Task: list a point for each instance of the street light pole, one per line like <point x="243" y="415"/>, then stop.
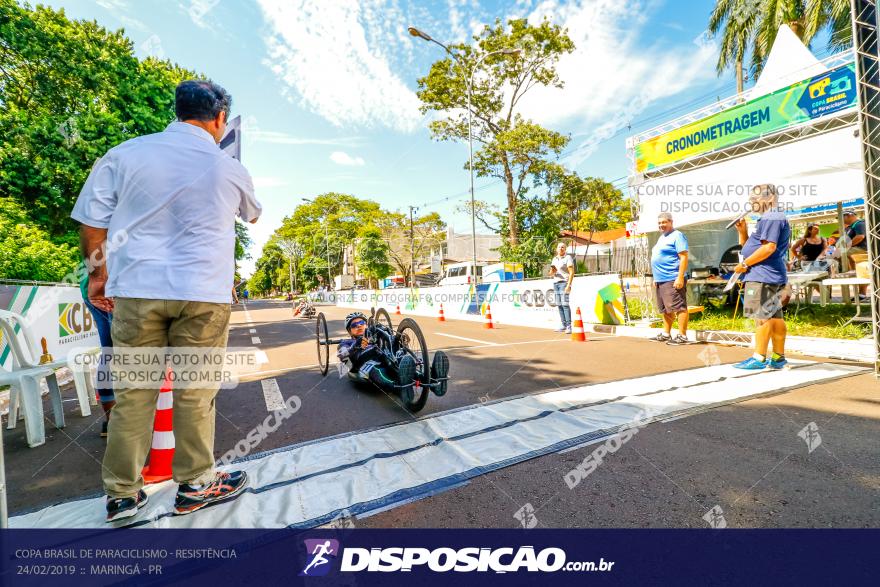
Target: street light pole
<point x="469" y="81"/>
<point x="471" y="169"/>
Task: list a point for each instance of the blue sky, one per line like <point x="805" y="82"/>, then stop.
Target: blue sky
<point x="326" y="88"/>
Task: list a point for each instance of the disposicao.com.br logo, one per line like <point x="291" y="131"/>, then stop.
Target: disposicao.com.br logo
<point x="442" y="560"/>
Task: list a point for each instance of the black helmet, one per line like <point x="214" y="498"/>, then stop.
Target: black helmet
<point x="352" y="317"/>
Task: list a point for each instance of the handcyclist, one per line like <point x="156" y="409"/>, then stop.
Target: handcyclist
<point x="367" y="362"/>
<point x="304" y="307"/>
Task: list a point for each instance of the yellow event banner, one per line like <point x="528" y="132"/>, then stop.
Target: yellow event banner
<point x="806" y="100"/>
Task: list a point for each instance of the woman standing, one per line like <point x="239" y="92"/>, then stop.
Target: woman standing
<point x="809" y="248"/>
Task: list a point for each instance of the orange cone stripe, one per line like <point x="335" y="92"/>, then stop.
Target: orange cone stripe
<point x="577" y="329"/>
<point x="162" y="446"/>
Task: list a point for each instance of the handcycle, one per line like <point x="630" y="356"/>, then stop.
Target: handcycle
<point x="393" y="344"/>
<point x="304" y="310"/>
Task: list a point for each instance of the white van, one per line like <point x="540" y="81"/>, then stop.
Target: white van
<point x="459" y="273"/>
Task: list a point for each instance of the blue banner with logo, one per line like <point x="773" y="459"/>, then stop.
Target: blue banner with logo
<point x="346" y="556"/>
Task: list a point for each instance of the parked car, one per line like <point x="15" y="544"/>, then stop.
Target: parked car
<point x="460" y="273"/>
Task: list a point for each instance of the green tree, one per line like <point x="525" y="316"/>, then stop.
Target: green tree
<point x="372" y="255"/>
<point x="326" y="224"/>
<point x="511" y="147"/>
<point x="751" y="26"/>
<point x="69" y="91"/>
<point x="26" y="251"/>
<point x="836" y="15"/>
<point x="737" y="20"/>
<point x="410" y="242"/>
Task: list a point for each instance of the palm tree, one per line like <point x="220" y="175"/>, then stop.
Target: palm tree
<point x="738" y="19"/>
<point x="751" y="26"/>
<point x="836" y="15"/>
<point x="774" y="14"/>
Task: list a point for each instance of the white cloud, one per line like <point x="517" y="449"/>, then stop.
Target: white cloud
<point x="339" y="60"/>
<point x="199" y="11"/>
<point x="343" y="158"/>
<point x="281" y="138"/>
<point x="263" y="181"/>
<point x="613" y="75"/>
<point x="119" y="9"/>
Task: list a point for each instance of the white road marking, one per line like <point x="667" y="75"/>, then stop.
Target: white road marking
<point x="482" y="342"/>
<point x="272" y="395"/>
<point x="253" y="330"/>
<point x="255" y="340"/>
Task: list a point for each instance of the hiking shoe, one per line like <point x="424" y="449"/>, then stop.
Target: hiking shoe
<point x="779" y="363"/>
<point x="119" y="508"/>
<point x="104" y="429"/>
<point x="678" y="339"/>
<point x="662" y="337"/>
<point x="439" y="371"/>
<point x="751" y="364"/>
<point x="224" y="486"/>
<point x="406" y="374"/>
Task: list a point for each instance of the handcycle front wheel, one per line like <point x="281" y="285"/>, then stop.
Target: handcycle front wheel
<point x="413" y="340"/>
<point x="323" y="343"/>
<point x="384" y="318"/>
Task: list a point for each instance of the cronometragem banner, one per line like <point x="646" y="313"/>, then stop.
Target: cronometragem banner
<point x="807" y="100"/>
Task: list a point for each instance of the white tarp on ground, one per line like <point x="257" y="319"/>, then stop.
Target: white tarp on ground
<point x="817" y="170"/>
<point x="521" y="303"/>
<point x="311" y="484"/>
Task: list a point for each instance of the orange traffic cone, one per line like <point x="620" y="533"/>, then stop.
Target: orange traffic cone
<point x="162" y="450"/>
<point x="397" y="311"/>
<point x="577" y="329"/>
<point x="488" y="321"/>
<point x="441" y="317"/>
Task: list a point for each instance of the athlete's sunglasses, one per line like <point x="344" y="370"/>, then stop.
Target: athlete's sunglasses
<point x="358" y="324"/>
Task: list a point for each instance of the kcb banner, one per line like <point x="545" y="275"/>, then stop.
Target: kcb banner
<point x="822" y="95"/>
<point x="74" y="322"/>
<point x="56" y="313"/>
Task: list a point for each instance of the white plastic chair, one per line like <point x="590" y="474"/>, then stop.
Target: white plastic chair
<point x="85" y="390"/>
<point x="25" y="391"/>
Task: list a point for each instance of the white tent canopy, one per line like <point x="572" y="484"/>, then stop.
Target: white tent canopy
<point x="788" y="63"/>
<point x="817" y="170"/>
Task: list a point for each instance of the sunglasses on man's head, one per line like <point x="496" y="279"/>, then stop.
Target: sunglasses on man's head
<point x="358" y="324"/>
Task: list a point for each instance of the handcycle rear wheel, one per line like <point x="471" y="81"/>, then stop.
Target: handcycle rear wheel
<point x="411" y="338"/>
<point x="323" y="343"/>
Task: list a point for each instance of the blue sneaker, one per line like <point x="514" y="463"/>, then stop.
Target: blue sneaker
<point x="780" y="364"/>
<point x="751" y="364"/>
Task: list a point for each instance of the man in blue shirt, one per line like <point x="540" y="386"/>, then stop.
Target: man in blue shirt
<point x="765" y="278"/>
<point x="669" y="261"/>
<point x="857" y="245"/>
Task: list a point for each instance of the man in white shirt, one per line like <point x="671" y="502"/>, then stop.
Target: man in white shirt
<point x="171" y="199"/>
<point x="562" y="272"/>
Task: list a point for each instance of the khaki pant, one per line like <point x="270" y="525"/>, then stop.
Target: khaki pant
<point x="163" y="323"/>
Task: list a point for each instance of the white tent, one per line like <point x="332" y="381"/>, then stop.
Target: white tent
<point x="789" y="62"/>
<point x="821" y="168"/>
<point x="824" y="168"/>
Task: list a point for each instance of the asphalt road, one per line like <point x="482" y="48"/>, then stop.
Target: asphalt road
<point x="745" y="458"/>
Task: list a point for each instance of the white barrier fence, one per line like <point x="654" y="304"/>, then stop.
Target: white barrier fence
<point x="521" y="303"/>
<point x="56" y="313"/>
